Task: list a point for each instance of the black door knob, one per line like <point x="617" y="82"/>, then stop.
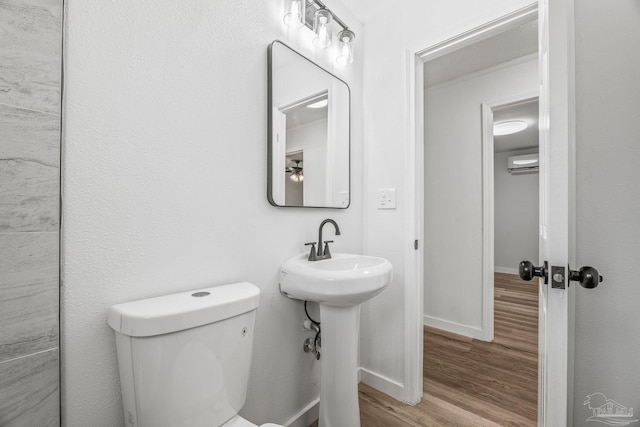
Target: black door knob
<point x="527" y="271"/>
<point x="587" y="276"/>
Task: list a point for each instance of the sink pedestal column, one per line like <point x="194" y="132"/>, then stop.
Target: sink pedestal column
<point x="339" y="366"/>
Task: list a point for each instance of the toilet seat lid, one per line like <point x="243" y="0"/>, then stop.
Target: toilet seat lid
<point x="238" y="421"/>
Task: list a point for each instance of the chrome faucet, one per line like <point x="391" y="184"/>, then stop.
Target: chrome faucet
<point x="322" y="253"/>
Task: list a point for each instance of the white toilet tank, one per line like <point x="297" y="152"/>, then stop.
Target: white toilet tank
<point x="184" y="358"/>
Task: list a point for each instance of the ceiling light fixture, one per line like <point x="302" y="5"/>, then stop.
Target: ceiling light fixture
<point x="320" y="104"/>
<point x="296" y="172"/>
<point x="510" y="127"/>
<point x="317" y="17"/>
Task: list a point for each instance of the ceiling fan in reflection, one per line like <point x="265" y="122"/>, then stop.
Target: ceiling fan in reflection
<point x="296" y="172"/>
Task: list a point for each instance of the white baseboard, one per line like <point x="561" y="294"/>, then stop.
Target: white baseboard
<point x="456" y="328"/>
<point x="382" y="383"/>
<point x="306" y="416"/>
<point x="505" y="270"/>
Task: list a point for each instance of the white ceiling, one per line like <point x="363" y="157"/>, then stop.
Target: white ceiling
<point x="528" y="138"/>
<point x="502" y="47"/>
<point x="365" y="10"/>
<point x="303" y="115"/>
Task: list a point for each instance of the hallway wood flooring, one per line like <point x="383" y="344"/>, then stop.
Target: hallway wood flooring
<point x="468" y="382"/>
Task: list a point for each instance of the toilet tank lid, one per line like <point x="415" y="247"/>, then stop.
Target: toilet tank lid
<point x="185" y="310"/>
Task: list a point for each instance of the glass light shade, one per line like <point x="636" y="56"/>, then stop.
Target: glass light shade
<point x="508" y="128"/>
<point x="294" y="18"/>
<point x="322" y="27"/>
<point x="297" y="177"/>
<point x="345" y="48"/>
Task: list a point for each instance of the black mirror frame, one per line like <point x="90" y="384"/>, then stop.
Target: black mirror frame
<point x="270" y="127"/>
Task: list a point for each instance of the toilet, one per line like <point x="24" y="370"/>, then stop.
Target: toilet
<point x="184" y="359"/>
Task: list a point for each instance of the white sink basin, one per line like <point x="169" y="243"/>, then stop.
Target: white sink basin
<point x="343" y="280"/>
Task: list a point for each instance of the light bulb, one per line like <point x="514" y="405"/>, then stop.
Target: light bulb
<point x="297" y="177"/>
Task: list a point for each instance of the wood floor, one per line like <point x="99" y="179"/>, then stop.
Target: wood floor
<point x="469" y="382"/>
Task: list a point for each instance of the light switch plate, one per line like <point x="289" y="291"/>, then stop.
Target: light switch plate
<point x="386" y="198"/>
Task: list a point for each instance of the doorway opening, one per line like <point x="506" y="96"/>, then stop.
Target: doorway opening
<point x="480" y="320"/>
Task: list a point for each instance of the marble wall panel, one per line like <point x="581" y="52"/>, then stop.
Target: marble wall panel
<point x="29" y="196"/>
<point x="29" y="293"/>
<point x="29" y="170"/>
<point x="30" y="89"/>
<point x="29" y="391"/>
<point x="30" y="69"/>
<point x="29" y="135"/>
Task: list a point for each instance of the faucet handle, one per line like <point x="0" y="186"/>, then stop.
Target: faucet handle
<point x="312" y="253"/>
<point x="326" y="252"/>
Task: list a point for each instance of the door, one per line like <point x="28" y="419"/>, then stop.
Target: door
<point x="556" y="196"/>
<point x="279" y="155"/>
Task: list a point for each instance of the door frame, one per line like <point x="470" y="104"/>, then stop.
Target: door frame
<point x="414" y="185"/>
<point x="488" y="206"/>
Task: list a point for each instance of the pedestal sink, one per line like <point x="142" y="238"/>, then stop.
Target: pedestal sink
<point x="340" y="284"/>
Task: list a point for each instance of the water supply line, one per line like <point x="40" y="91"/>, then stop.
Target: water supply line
<point x="311" y="325"/>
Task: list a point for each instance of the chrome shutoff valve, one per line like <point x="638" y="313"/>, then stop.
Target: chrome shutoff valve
<point x="309" y="347"/>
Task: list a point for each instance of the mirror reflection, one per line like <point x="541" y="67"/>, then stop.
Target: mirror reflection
<point x="308" y="162"/>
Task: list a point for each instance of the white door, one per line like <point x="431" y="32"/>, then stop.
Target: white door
<point x="279" y="158"/>
<point x="556" y="196"/>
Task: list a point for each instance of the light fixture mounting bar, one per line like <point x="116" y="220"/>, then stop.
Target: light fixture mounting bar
<point x="317" y="5"/>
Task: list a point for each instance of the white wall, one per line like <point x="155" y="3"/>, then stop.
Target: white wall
<point x="453" y="192"/>
<point x="164" y="102"/>
<point x="607" y="343"/>
<point x="516" y="211"/>
<point x="409" y="25"/>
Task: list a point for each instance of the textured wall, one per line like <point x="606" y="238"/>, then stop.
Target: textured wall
<point x="30" y="80"/>
<point x="165" y="102"/>
<point x="607" y="343"/>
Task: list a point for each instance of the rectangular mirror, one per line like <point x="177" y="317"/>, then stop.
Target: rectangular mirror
<point x="308" y="133"/>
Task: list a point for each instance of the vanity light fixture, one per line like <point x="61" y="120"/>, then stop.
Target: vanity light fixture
<point x="510" y="127"/>
<point x="317" y="17"/>
<point x="295" y="16"/>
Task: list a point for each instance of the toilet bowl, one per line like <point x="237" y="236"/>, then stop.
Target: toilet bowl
<point x="184" y="358"/>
